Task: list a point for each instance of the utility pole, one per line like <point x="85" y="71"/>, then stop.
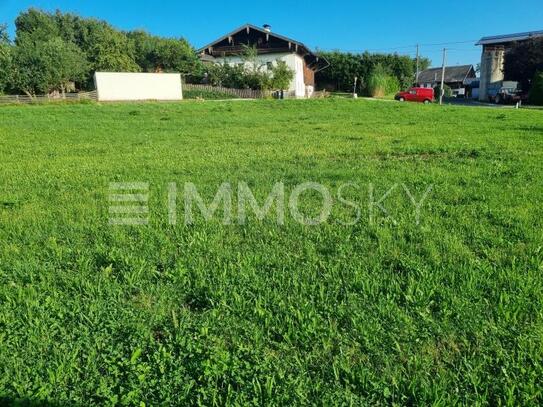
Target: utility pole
<point x="354" y="89"/>
<point x="442" y="90"/>
<point x="417" y="75"/>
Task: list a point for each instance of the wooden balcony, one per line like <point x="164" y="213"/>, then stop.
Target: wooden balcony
<point x="240" y="49"/>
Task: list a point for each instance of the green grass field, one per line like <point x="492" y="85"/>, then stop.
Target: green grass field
<point x="385" y="311"/>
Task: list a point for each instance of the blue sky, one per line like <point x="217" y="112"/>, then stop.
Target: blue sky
<point x="353" y="25"/>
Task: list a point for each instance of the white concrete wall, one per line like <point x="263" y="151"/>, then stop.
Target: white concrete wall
<point x="120" y="86"/>
<point x="299" y="76"/>
<point x="492" y="61"/>
<point x="293" y="61"/>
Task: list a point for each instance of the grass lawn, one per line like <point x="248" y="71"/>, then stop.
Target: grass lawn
<point x="382" y="311"/>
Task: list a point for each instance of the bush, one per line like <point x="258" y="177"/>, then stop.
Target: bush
<point x="536" y="92"/>
<point x="380" y="83"/>
<point x="448" y="91"/>
<point x="250" y="75"/>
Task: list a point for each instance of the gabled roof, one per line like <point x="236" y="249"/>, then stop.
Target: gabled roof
<point x="452" y="74"/>
<point x="316" y="62"/>
<point x="500" y="39"/>
<point x="253" y="27"/>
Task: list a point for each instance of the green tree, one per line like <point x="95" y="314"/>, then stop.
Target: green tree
<point x="156" y="54"/>
<point x="36" y="24"/>
<point x="106" y="48"/>
<point x="5" y="60"/>
<point x="536" y="92"/>
<point x="344" y="67"/>
<point x="45" y="66"/>
<point x="110" y="50"/>
<point x="282" y="75"/>
<point x="251" y="75"/>
<point x="523" y="61"/>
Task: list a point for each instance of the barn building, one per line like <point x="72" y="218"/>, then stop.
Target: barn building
<point x="456" y="77"/>
<point x="270" y="48"/>
<point x="493" y="58"/>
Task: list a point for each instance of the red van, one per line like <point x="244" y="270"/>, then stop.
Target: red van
<point x="422" y="95"/>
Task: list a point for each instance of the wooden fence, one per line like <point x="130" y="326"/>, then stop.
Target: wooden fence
<point x="25" y="99"/>
<point x="237" y="93"/>
<point x="246" y="93"/>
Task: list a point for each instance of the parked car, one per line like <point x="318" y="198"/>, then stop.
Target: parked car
<point x="508" y="96"/>
<point x="506" y="92"/>
<point x="421" y="95"/>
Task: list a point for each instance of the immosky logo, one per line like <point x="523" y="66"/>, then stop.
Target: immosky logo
<point x="278" y="205"/>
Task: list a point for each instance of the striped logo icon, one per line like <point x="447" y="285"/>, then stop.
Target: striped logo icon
<point x="129" y="203"/>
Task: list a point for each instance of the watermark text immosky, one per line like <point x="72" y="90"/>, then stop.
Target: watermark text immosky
<point x="236" y="204"/>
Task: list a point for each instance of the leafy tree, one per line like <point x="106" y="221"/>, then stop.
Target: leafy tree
<point x="344" y="67"/>
<point x="102" y="46"/>
<point x="45" y="66"/>
<point x="36" y="24"/>
<point x="536" y="92"/>
<point x="4" y="37"/>
<point x="281" y="76"/>
<point x="156" y="54"/>
<point x="110" y="50"/>
<point x="523" y="61"/>
<point x="250" y="75"/>
<point x="5" y="60"/>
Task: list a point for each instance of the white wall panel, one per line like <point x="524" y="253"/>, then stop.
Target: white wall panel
<point x="120" y="86"/>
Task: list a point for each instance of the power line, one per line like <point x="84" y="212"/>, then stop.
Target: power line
<point x="449" y="43"/>
<point x="400" y="47"/>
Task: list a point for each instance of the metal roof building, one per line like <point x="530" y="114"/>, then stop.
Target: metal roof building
<point x="493" y="57"/>
<point x="453" y="75"/>
<point x="504" y="39"/>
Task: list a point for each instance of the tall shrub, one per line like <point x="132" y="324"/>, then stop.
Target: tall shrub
<point x="381" y="83"/>
<point x="447" y="91"/>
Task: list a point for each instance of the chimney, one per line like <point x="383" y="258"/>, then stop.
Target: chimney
<point x="267" y="28"/>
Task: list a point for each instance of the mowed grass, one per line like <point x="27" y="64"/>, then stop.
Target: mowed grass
<point x="383" y="311"/>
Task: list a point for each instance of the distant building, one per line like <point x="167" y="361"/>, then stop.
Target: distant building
<point x="456" y="77"/>
<point x="493" y="58"/>
<point x="270" y="48"/>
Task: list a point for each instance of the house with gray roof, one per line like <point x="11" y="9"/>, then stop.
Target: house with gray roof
<point x="456" y="77"/>
<point x="270" y="48"/>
